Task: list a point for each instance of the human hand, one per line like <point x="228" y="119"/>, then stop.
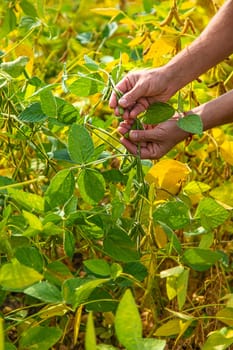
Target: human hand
<point x="140" y="89"/>
<point x="155" y="141"/>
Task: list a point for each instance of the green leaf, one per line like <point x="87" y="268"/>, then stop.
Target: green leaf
<point x="80" y="144"/>
<point x="15" y="276"/>
<point x="48" y="103"/>
<point x="87" y="85"/>
<point x="9" y="22"/>
<point x="174" y="213"/>
<point x="40" y="338"/>
<point x="16" y="67"/>
<point x="128" y="324"/>
<point x="191" y="123"/>
<point x="44" y="291"/>
<point x="152" y="344"/>
<point x="33" y="114"/>
<point x="90" y="340"/>
<point x="106" y="347"/>
<point x="119" y="246"/>
<point x="31" y="257"/>
<point x="157" y="113"/>
<point x="1" y="334"/>
<point x="69" y="243"/>
<point x="211" y="213"/>
<point x="219" y="340"/>
<point x="82" y="292"/>
<point x="201" y="259"/>
<point x="148" y="5"/>
<point x="60" y="189"/>
<point x="9" y="346"/>
<point x="91" y="185"/>
<point x="28" y="8"/>
<point x="27" y="200"/>
<point x="182" y="286"/>
<point x="226" y="316"/>
<point x="98" y="267"/>
<point x="223" y="193"/>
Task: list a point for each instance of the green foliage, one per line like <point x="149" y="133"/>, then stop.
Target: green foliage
<point x="93" y="250"/>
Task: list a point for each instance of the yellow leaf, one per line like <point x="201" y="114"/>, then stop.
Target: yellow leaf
<point x="226" y="149"/>
<point x="109" y="12"/>
<point x="160" y="237"/>
<point x="77" y="322"/>
<point x="226" y="316"/>
<point x="218" y="135"/>
<point x="168" y="176"/>
<point x="172" y="327"/>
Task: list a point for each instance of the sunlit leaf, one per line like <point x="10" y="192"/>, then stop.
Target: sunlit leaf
<point x="128" y="323"/>
<point x="40" y="337"/>
<point x="223" y="193"/>
<point x="16" y="67"/>
<point x="175" y="214"/>
<point x="83" y="291"/>
<point x="211" y="213"/>
<point x="219" y="340"/>
<point x="90" y="340"/>
<point x="30" y="201"/>
<point x="226" y="316"/>
<point x="14" y="276"/>
<point x="157" y="113"/>
<point x="226" y="149"/>
<point x="168" y="175"/>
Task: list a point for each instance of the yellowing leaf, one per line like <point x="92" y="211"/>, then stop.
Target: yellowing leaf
<point x="226" y="149"/>
<point x="226" y="316"/>
<point x="18" y="276"/>
<point x="172" y="327"/>
<point x="218" y="135"/>
<point x="168" y="176"/>
<point x="109" y="12"/>
<point x="160" y="237"/>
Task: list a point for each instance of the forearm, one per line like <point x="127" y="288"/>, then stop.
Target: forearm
<point x="213" y="45"/>
<point x="216" y="112"/>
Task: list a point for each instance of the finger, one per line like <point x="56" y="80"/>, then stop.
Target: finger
<point x="146" y="150"/>
<point x="142" y="135"/>
<point x="113" y="101"/>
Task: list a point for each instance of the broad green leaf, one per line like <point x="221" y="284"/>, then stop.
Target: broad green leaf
<point x="33" y="220"/>
<point x="128" y="324"/>
<point x="69" y="243"/>
<point x="91" y="185"/>
<point x="14" y="276"/>
<point x="171" y="287"/>
<point x="148" y="5"/>
<point x="152" y="344"/>
<point x="33" y="114"/>
<point x="157" y="113"/>
<point x="39" y="338"/>
<point x="191" y="123"/>
<point x="101" y="301"/>
<point x="80" y="144"/>
<point x="174" y="213"/>
<point x="56" y="273"/>
<point x="90" y="339"/>
<point x="82" y="292"/>
<point x="219" y="340"/>
<point x="30" y="201"/>
<point x="201" y="259"/>
<point x="119" y="246"/>
<point x="31" y="257"/>
<point x="66" y="112"/>
<point x="16" y="67"/>
<point x="9" y="22"/>
<point x="173" y="239"/>
<point x="98" y="267"/>
<point x="90" y="63"/>
<point x="60" y="189"/>
<point x="211" y="213"/>
<point x="87" y="85"/>
<point x="135" y="269"/>
<point x="48" y="103"/>
<point x="28" y="8"/>
<point x="68" y="289"/>
<point x="44" y="291"/>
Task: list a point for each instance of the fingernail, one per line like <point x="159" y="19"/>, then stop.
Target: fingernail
<point x="122" y="101"/>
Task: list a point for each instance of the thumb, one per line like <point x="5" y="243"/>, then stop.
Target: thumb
<point x="130" y="98"/>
